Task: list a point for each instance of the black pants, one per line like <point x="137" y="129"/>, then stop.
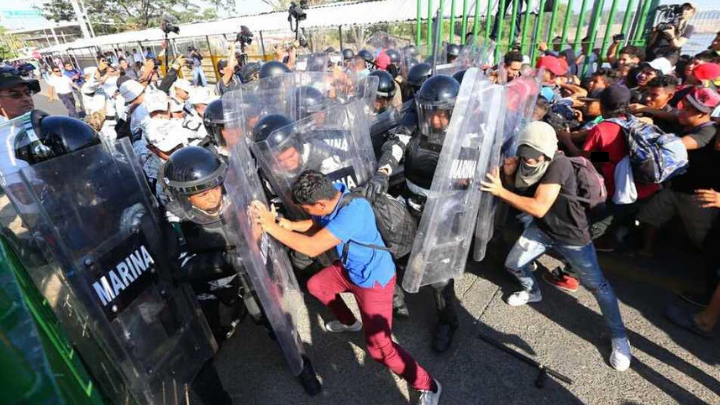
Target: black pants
<point x="208" y="386"/>
<point x="711" y="258"/>
<point x="69" y="102"/>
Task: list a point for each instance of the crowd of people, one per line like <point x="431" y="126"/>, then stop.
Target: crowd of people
<point x="575" y="178"/>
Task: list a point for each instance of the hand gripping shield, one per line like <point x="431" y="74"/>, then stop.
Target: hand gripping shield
<point x="335" y="142"/>
<point x="106" y="274"/>
<point x="265" y="262"/>
<point x="442" y="243"/>
<point x="520" y="98"/>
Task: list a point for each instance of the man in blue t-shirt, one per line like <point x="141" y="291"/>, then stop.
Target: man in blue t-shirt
<point x="368" y="273"/>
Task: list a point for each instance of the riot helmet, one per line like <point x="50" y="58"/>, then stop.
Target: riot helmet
<point x="194" y="177"/>
<point x="273" y="68"/>
<point x="368" y="57"/>
<point x="385" y="90"/>
<point x="418" y="74"/>
<point x="277" y="133"/>
<point x="250" y="72"/>
<point x="306" y="100"/>
<point x="459" y="75"/>
<point x="394" y="56"/>
<point x="348" y="54"/>
<point x="453" y="51"/>
<point x="435" y="102"/>
<point x="411" y="51"/>
<point x="330" y="49"/>
<point x="45" y="137"/>
<point x="214" y="121"/>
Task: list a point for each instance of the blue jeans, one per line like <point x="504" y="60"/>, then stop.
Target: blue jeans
<point x="199" y="77"/>
<point x="534" y="242"/>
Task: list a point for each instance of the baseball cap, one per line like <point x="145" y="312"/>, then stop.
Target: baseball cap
<point x="707" y="71"/>
<point x="552" y="64"/>
<point x="176" y="106"/>
<point x="156" y="101"/>
<point x="547" y="93"/>
<point x="90" y="70"/>
<point x="183" y="84"/>
<point x="165" y="135"/>
<point x="10" y="77"/>
<point x="130" y="90"/>
<point x="615" y="97"/>
<point x="704" y="99"/>
<point x="201" y="95"/>
<point x="660" y="64"/>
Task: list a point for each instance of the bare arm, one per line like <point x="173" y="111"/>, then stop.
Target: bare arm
<point x="612" y="51"/>
<point x="537" y="206"/>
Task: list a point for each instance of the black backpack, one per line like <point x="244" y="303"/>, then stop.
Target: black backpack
<point x="394" y="222"/>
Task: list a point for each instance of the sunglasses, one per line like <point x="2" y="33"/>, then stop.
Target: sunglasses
<point x="56" y="71"/>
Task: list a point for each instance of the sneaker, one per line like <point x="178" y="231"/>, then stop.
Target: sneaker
<point x="429" y="397"/>
<point x="558" y="279"/>
<point x="338" y="327"/>
<point x="620" y="356"/>
<point x="523" y="297"/>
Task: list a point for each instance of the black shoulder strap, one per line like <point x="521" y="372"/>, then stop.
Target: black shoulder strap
<point x="344" y="201"/>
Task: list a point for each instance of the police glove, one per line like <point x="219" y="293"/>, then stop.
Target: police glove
<point x="378" y="184"/>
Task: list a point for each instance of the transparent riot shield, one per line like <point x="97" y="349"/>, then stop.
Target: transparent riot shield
<point x="443" y="239"/>
<point x="520" y="98"/>
<point x="385" y="123"/>
<point x="313" y="62"/>
<point x="382" y="41"/>
<point x="333" y="141"/>
<point x="106" y="274"/>
<point x="261" y="257"/>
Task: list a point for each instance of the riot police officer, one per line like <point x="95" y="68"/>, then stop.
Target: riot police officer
<point x="385" y="91"/>
<point x="421" y="149"/>
<point x="348" y="55"/>
<point x="453" y="51"/>
<point x="153" y="349"/>
<point x="195" y="177"/>
<point x="368" y="57"/>
<point x="415" y="79"/>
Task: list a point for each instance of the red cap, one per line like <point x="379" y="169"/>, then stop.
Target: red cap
<point x="704" y="99"/>
<point x="382" y="61"/>
<point x="707" y="71"/>
<point x="552" y="64"/>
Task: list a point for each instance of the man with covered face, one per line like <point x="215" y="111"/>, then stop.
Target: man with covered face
<point x="545" y="187"/>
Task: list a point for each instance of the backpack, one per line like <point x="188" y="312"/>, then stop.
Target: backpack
<point x="396" y="225"/>
<point x="591" y="189"/>
<point x="654" y="155"/>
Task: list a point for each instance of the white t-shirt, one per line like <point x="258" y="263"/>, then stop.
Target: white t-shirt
<point x="62" y="84"/>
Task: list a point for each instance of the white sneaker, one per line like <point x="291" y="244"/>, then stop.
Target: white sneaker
<point x="429" y="397"/>
<point x="338" y="327"/>
<point x="523" y="297"/>
<point x="620" y="356"/>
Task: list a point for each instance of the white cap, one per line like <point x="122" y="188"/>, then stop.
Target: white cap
<point x="90" y="70"/>
<point x="202" y="95"/>
<point x="165" y="135"/>
<point x="662" y="64"/>
<point x="176" y="106"/>
<point x="183" y="84"/>
<point x="156" y="100"/>
<point x="130" y="90"/>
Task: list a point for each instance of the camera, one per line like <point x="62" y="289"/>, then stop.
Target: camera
<point x="169" y="24"/>
<point x="245" y="36"/>
<point x="618" y="37"/>
<point x="297" y="12"/>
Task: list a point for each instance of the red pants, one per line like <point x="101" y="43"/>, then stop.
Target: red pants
<point x="376" y="311"/>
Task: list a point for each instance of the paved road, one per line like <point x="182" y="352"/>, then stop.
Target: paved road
<point x="564" y="331"/>
<point x="42" y="102"/>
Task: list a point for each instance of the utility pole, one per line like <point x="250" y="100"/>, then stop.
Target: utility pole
<point x="82" y="19"/>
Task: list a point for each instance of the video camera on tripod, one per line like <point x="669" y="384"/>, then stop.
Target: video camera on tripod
<point x="244" y="37"/>
<point x="168" y="24"/>
<point x="297" y="13"/>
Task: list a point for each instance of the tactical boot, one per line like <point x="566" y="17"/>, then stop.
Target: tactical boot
<point x="445" y="303"/>
<point x="308" y="379"/>
<point x="399" y="307"/>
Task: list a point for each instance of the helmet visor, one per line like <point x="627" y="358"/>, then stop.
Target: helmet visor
<point x="434" y="119"/>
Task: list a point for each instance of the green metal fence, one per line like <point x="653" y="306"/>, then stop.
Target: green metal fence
<point x="593" y="27"/>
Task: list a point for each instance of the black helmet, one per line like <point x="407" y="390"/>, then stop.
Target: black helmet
<point x="367" y="56"/>
<point x="386" y="84"/>
<point x="268" y="125"/>
<point x="348" y="54"/>
<point x="330" y="49"/>
<point x="316" y="63"/>
<point x="459" y="75"/>
<point x="214" y="121"/>
<point x="306" y="100"/>
<point x="418" y="74"/>
<point x="193" y="170"/>
<point x="411" y="51"/>
<point x="437" y="95"/>
<point x="453" y="51"/>
<point x="47" y="137"/>
<point x="250" y="72"/>
<point x="394" y="56"/>
<point x="272" y="69"/>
